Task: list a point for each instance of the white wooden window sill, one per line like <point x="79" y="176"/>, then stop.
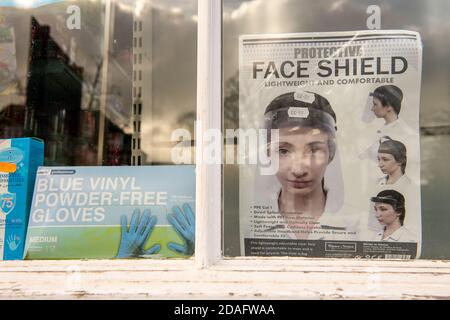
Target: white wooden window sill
<point x="242" y="278"/>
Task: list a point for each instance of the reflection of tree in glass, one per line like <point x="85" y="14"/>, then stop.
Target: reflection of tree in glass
<point x="230" y="108"/>
<point x="186" y="121"/>
<point x="231" y="103"/>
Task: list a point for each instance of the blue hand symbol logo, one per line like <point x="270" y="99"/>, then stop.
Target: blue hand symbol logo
<point x="13" y="242"/>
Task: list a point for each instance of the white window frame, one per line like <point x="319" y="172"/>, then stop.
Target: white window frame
<point x="209" y="274"/>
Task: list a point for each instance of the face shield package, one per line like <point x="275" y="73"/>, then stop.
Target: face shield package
<point x="341" y="115"/>
<point x="112" y="212"/>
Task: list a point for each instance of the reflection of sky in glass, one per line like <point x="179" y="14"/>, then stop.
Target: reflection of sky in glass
<point x="27" y="3"/>
<point x="173" y="58"/>
<point x="183" y="7"/>
<point x="84" y="47"/>
<point x="173" y="38"/>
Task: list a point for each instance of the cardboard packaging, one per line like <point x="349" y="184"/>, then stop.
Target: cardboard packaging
<point x="99" y="213"/>
<point x="19" y="161"/>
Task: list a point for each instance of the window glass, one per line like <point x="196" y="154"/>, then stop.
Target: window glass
<point x="102" y="83"/>
<point x="53" y="75"/>
<point x="429" y="19"/>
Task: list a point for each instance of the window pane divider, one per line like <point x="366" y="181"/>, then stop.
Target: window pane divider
<point x="209" y="117"/>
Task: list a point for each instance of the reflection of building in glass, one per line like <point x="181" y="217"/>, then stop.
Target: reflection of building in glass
<point x="11" y="121"/>
<point x="53" y="97"/>
<point x="54" y="112"/>
<point x="117" y="145"/>
<point x="164" y="79"/>
<point x="137" y="156"/>
<point x="141" y="79"/>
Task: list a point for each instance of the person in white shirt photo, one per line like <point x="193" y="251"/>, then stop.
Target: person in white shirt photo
<point x="386" y="105"/>
<point x="306" y="207"/>
<point x="392" y="159"/>
<point x="390" y="212"/>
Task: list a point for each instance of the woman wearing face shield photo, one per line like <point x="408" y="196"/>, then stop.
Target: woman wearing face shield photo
<point x="392" y="159"/>
<point x="390" y="211"/>
<point x="302" y="198"/>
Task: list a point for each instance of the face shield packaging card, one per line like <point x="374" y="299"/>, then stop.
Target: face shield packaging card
<point x="334" y="123"/>
<point x="112" y="212"/>
<point x="19" y="161"/>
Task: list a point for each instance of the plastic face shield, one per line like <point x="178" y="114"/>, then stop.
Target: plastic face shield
<point x="389" y="200"/>
<point x="367" y="114"/>
<point x="301" y="117"/>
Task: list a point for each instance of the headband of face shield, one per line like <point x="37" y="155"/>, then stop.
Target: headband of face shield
<point x="392" y="197"/>
<point x="394" y="148"/>
<point x="303" y="117"/>
<point x="395" y="199"/>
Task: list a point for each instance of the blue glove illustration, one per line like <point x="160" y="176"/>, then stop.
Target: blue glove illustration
<point x="184" y="223"/>
<point x="13" y="242"/>
<point x="133" y="240"/>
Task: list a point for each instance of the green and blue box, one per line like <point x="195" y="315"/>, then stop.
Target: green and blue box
<point x="83" y="212"/>
<point x="19" y="161"/>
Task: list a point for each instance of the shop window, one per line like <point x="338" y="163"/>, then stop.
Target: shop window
<point x="104" y="106"/>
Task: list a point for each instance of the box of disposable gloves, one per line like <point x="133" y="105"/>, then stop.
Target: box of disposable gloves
<point x="112" y="212"/>
<point x="19" y="161"/>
